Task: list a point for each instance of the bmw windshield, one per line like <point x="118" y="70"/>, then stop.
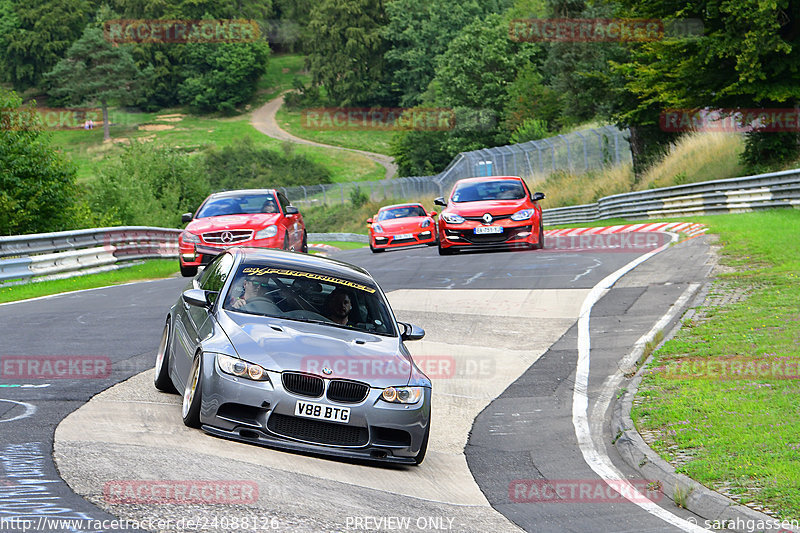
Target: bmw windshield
<point x="309" y="297"/>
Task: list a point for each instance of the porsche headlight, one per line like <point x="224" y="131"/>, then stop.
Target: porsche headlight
<point x="377" y="228"/>
<point x="525" y="214"/>
<point x="266" y="233"/>
<point x="426" y="223"/>
<point x="401" y="394"/>
<point x="452" y="219"/>
<point x="241" y="369"/>
<point x="190" y="238"/>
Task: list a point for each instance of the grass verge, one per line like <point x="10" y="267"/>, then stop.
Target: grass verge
<point x="153" y="269"/>
<point x="343" y="245"/>
<point x="370" y="140"/>
<point x="737" y="434"/>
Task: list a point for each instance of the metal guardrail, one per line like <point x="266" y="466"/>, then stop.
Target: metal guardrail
<point x="735" y="195"/>
<point x="577" y="151"/>
<point x="23" y="257"/>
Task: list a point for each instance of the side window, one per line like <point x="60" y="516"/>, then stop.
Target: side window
<point x="283" y="201"/>
<point x="525" y="186"/>
<point x="216" y="273"/>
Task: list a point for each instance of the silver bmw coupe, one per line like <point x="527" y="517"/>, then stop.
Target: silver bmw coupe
<point x="298" y="352"/>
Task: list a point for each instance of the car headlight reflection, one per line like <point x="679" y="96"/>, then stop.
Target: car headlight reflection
<point x="241" y="369"/>
<point x="452" y="219"/>
<point x="525" y="214"/>
<point x="190" y="238"/>
<point x="266" y="233"/>
<point x="402" y="394"/>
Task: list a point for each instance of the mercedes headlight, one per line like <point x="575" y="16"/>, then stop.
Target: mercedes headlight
<point x="266" y="233"/>
<point x="190" y="238"/>
<point x="401" y="394"/>
<point x="452" y="219"/>
<point x="525" y="214"/>
<point x="241" y="369"/>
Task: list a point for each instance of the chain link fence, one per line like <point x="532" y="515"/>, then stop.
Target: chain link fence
<point x="578" y="151"/>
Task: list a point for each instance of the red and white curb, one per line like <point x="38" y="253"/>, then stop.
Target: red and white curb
<point x="687" y="228"/>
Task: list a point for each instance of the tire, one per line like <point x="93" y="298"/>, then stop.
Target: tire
<point x="161" y="380"/>
<point x="192" y="395"/>
<point x="424" y="448"/>
<point x="304" y="248"/>
<point x="539" y="245"/>
<point x="445" y="251"/>
<point x="188" y="271"/>
<point x="376" y="250"/>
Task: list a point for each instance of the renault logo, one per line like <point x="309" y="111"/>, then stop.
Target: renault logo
<point x="327" y="371"/>
<point x="226" y="237"/>
<point x="487" y="218"/>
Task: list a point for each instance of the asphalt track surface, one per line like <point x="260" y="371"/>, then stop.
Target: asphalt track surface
<point x="522" y="431"/>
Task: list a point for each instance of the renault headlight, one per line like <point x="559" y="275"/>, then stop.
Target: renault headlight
<point x="452" y="219"/>
<point x="401" y="394"/>
<point x="525" y="214"/>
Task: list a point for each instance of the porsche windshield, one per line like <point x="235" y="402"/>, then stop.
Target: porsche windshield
<point x="401" y="212"/>
<point x="309" y="297"/>
<point x="476" y="191"/>
<point x="244" y="204"/>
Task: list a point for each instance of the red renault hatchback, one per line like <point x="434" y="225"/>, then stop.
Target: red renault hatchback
<point x="490" y="212"/>
<point x="261" y="218"/>
<point x="401" y="225"/>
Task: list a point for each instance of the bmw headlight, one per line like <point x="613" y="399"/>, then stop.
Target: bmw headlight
<point x="377" y="228"/>
<point x="426" y="223"/>
<point x="452" y="219"/>
<point x="241" y="369"/>
<point x="190" y="238"/>
<point x="525" y="214"/>
<point x="266" y="233"/>
<point x="401" y="394"/>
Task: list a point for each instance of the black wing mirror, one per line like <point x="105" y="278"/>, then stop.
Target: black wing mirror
<point x="291" y="210"/>
<point x="440" y="201"/>
<point x="537" y="196"/>
<point x="186" y="217"/>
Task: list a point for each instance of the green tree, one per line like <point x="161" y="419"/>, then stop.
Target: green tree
<point x="94" y="70"/>
<point x="37" y="183"/>
<point x="149" y="185"/>
<point x="36" y="34"/>
<point x="748" y="56"/>
<point x="418" y="31"/>
<point x="221" y="76"/>
<point x="346" y="51"/>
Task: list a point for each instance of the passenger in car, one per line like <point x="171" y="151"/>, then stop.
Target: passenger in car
<point x="338" y="306"/>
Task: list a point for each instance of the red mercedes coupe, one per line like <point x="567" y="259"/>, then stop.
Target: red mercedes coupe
<point x="497" y="211"/>
<point x="396" y="226"/>
<point x="262" y="218"/>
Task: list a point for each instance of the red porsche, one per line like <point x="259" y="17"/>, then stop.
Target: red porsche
<point x="401" y="225"/>
<point x="490" y="212"/>
<point x="262" y="218"/>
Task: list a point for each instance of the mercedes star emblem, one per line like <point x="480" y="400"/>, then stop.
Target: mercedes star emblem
<point x="226" y="237"/>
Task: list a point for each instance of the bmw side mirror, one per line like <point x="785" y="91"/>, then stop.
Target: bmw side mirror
<point x="186" y="217"/>
<point x="199" y="297"/>
<point x="440" y="201"/>
<point x="291" y="210"/>
<point x="411" y="332"/>
<point x="537" y="196"/>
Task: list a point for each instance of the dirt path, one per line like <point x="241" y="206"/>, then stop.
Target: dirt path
<point x="264" y="121"/>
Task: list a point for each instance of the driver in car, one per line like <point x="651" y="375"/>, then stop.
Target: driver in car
<point x="252" y="290"/>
